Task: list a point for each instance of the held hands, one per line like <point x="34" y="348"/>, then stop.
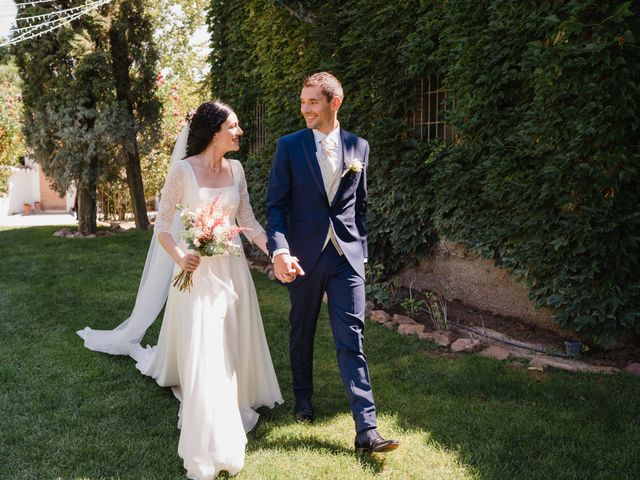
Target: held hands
<point x="189" y="262"/>
<point x="286" y="267"/>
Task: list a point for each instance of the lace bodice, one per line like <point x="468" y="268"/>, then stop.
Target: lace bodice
<point x="181" y="188"/>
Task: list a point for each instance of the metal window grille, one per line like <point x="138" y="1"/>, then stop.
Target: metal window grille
<point x="429" y="111"/>
<point x="259" y="129"/>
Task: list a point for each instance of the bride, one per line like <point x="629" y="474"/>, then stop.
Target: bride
<point x="212" y="348"/>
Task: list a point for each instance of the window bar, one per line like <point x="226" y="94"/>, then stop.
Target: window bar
<point x="422" y="108"/>
<point x="428" y="116"/>
<point x="437" y="85"/>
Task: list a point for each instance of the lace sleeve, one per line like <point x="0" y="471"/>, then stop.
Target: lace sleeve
<point x="170" y="197"/>
<point x="245" y="216"/>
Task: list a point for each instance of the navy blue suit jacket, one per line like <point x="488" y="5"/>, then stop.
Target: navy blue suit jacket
<point x="298" y="211"/>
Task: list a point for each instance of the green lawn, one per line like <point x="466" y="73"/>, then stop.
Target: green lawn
<point x="67" y="412"/>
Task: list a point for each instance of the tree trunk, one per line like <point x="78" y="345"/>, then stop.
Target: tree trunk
<point x="120" y="63"/>
<point x="87" y="211"/>
<point x="136" y="189"/>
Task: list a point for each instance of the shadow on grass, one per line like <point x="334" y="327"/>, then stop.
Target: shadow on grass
<point x="501" y="421"/>
<point x="498" y="418"/>
<point x="318" y="445"/>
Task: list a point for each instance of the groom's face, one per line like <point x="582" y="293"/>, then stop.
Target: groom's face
<point x="317" y="110"/>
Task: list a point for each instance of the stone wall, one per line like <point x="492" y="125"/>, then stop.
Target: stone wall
<point x="459" y="274"/>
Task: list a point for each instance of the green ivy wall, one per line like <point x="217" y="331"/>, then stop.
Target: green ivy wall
<point x="544" y="95"/>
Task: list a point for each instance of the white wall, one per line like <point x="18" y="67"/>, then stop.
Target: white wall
<point x="4" y="206"/>
<point x="24" y="187"/>
<point x="70" y="197"/>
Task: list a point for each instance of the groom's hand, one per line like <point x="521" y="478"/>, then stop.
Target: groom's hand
<point x="286" y="267"/>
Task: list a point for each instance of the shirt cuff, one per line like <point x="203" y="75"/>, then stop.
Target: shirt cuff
<point x="278" y="252"/>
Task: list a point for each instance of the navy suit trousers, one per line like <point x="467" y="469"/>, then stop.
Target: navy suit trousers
<point x="346" y="300"/>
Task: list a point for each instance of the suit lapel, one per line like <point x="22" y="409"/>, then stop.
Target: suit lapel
<point x="348" y="147"/>
<point x="308" y="143"/>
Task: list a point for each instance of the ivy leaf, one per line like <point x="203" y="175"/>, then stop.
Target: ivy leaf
<point x="559" y="242"/>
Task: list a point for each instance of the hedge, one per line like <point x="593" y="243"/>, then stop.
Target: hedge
<point x="544" y="175"/>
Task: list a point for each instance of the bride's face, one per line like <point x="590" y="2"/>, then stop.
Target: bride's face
<point x="228" y="138"/>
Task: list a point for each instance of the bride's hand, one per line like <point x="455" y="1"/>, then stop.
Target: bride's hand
<point x="189" y="262"/>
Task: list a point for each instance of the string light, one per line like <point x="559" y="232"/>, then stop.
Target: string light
<point x="34" y="2"/>
<point x="26" y="4"/>
<point x="58" y="22"/>
<point x="34" y="31"/>
<point x="58" y="12"/>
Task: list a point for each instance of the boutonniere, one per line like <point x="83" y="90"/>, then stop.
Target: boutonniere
<point x="355" y="166"/>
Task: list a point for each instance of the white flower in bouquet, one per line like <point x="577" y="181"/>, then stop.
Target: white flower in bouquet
<point x="208" y="232"/>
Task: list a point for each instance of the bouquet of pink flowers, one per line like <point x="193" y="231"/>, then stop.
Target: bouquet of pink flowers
<point x="208" y="232"/>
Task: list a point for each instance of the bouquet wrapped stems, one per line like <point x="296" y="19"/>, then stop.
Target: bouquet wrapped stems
<point x="183" y="281"/>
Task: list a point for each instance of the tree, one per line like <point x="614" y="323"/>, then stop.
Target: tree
<point x="60" y="99"/>
<point x="181" y="85"/>
<point x="12" y="145"/>
<point x="134" y="61"/>
<point x="90" y="101"/>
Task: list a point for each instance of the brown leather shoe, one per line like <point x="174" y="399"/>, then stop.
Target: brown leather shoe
<point x="303" y="410"/>
<point x="304" y="417"/>
<point x="372" y="441"/>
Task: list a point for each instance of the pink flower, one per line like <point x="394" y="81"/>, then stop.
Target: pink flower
<point x="208" y="232"/>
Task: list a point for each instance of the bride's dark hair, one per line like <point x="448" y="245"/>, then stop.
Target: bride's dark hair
<point x="206" y="122"/>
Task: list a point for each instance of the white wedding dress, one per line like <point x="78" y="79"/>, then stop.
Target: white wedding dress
<point x="212" y="348"/>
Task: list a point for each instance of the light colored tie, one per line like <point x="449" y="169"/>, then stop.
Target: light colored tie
<point x="331" y="178"/>
<point x="329" y="167"/>
<point x="330" y="154"/>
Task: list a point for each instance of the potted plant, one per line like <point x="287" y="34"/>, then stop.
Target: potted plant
<point x="573" y="347"/>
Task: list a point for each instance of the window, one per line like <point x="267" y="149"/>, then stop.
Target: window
<point x="427" y="116"/>
<point x="259" y="136"/>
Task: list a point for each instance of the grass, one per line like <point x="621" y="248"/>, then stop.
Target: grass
<point x="67" y="412"/>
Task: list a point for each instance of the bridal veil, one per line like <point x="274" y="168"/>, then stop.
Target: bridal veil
<point x="152" y="293"/>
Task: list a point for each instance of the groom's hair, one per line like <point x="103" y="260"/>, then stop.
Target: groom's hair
<point x="330" y="85"/>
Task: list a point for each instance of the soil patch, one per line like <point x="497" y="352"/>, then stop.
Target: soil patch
<point x="521" y="331"/>
<point x="514" y="328"/>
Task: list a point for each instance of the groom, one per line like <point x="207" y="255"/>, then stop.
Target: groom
<point x="316" y="208"/>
